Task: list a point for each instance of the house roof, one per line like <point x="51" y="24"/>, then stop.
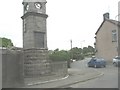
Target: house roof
<point x="109" y="20"/>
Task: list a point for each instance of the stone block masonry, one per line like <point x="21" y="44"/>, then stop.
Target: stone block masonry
<point x="12" y="68"/>
<point x="36" y="63"/>
<point x="38" y="67"/>
<point x="24" y="67"/>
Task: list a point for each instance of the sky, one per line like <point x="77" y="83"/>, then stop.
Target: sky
<point x="75" y="20"/>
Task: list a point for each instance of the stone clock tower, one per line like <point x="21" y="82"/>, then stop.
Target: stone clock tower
<point x="34" y="17"/>
<point x="34" y="24"/>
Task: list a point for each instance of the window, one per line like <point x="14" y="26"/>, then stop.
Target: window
<point x="114" y="36"/>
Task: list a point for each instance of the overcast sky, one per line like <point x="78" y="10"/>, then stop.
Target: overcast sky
<point x="75" y="20"/>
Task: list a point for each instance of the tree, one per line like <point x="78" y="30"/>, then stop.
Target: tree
<point x="85" y="50"/>
<point x="76" y="53"/>
<point x="91" y="49"/>
<point x="88" y="51"/>
<point x="5" y="42"/>
<point x="56" y="50"/>
<point x="59" y="55"/>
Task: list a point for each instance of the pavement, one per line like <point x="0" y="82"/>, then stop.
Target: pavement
<point x="74" y="76"/>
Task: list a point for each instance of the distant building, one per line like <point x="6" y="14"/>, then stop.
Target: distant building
<point x="106" y="39"/>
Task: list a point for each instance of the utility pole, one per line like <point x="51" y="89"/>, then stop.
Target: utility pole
<point x="71" y="44"/>
<point x="71" y="54"/>
<point x="71" y="50"/>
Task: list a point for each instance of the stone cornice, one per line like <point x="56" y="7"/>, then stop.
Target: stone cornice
<point x="36" y="49"/>
<point x="39" y="32"/>
<point x="34" y="14"/>
<point x="34" y="1"/>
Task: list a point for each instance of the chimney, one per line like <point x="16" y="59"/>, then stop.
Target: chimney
<point x="105" y="16"/>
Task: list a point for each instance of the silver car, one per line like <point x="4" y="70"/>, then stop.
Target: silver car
<point x="116" y="61"/>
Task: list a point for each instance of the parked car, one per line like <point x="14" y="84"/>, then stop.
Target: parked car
<point x="116" y="61"/>
<point x="97" y="62"/>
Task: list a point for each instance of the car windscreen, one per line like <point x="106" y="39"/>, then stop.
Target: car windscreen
<point x="99" y="60"/>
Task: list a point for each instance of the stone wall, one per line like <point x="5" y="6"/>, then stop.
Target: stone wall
<point x="24" y="67"/>
<point x="12" y="68"/>
<point x="58" y="70"/>
<point x="38" y="67"/>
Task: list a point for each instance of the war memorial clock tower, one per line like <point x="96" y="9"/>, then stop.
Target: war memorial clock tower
<point x="35" y="38"/>
<point x="34" y="24"/>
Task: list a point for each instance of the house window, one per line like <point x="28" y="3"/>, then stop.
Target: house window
<point x="114" y="36"/>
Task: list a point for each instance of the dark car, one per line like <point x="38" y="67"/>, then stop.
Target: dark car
<point x="116" y="61"/>
<point x="96" y="62"/>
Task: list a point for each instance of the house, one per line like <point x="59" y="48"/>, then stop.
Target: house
<point x="106" y="39"/>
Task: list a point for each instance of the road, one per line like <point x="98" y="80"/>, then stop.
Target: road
<point x="108" y="80"/>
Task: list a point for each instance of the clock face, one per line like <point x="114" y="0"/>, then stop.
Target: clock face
<point x="38" y="5"/>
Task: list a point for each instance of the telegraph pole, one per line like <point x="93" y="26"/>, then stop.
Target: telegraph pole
<point x="71" y="44"/>
<point x="71" y="54"/>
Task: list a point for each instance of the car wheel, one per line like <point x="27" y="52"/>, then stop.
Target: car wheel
<point x="104" y="66"/>
<point x="115" y="64"/>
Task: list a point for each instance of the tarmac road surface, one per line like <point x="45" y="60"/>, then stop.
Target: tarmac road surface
<point x="108" y="80"/>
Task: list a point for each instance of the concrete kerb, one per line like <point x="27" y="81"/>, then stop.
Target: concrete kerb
<point x="83" y="79"/>
<point x="98" y="74"/>
<point x="37" y="83"/>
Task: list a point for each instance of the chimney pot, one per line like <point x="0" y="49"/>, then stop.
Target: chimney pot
<point x="105" y="16"/>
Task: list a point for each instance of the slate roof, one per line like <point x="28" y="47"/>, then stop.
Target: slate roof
<point x="111" y="21"/>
